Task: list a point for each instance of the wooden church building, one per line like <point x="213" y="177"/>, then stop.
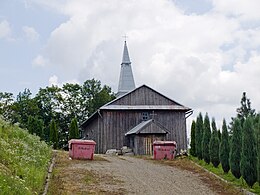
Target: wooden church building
<point x="137" y="117"/>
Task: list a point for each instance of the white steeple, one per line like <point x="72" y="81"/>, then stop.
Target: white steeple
<point x="126" y="79"/>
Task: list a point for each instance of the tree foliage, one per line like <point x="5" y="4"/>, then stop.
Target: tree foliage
<point x="74" y="130"/>
<point x="214" y="145"/>
<point x="6" y="102"/>
<point x="193" y="139"/>
<point x="249" y="154"/>
<point x="206" y="139"/>
<point x="244" y="111"/>
<point x="224" y="148"/>
<point x="235" y="149"/>
<point x="54" y="134"/>
<point x="35" y="126"/>
<point x="198" y="136"/>
<point x="61" y="104"/>
<point x="258" y="149"/>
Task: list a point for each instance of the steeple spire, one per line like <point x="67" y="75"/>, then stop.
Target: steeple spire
<point x="126" y="79"/>
<point x="126" y="59"/>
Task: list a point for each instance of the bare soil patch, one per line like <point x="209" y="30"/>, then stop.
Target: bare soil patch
<point x="131" y="175"/>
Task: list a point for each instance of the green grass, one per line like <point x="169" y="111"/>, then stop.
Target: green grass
<point x="24" y="161"/>
<point x="227" y="176"/>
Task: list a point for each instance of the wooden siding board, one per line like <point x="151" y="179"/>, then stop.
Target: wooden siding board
<point x="144" y="96"/>
<point x="111" y="128"/>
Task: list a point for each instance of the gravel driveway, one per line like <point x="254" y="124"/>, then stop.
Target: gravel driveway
<point x="138" y="176"/>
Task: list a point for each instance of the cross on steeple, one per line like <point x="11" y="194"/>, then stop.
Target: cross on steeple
<point x="125" y="37"/>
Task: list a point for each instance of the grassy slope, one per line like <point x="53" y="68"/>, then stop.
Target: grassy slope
<point x="23" y="161"/>
<point x="240" y="183"/>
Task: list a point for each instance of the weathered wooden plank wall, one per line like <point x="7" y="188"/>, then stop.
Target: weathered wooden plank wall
<point x="111" y="125"/>
<point x="111" y="128"/>
<point x="144" y="96"/>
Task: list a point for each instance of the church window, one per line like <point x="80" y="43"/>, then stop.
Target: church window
<point x="145" y="116"/>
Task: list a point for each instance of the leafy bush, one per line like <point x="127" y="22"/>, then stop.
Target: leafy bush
<point x="23" y="161"/>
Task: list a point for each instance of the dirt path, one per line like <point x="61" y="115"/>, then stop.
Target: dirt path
<point x="144" y="177"/>
<point x="119" y="175"/>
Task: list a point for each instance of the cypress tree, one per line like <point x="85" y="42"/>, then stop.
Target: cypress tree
<point x="258" y="151"/>
<point x="192" y="141"/>
<point x="73" y="130"/>
<point x="198" y="136"/>
<point x="224" y="148"/>
<point x="219" y="135"/>
<point x="249" y="154"/>
<point x="214" y="145"/>
<point x="206" y="139"/>
<point x="235" y="148"/>
<point x="54" y="134"/>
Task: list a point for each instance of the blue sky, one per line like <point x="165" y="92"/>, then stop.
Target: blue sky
<point x="201" y="53"/>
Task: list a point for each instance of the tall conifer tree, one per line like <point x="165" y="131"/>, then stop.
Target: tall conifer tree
<point x="258" y="150"/>
<point x="235" y="148"/>
<point x="54" y="134"/>
<point x="73" y="130"/>
<point x="192" y="141"/>
<point x="206" y="139"/>
<point x="224" y="148"/>
<point x="198" y="135"/>
<point x="214" y="145"/>
<point x="249" y="154"/>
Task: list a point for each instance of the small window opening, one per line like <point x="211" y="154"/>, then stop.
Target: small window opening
<point x="145" y="116"/>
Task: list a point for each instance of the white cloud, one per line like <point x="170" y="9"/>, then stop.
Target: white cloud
<point x="39" y="61"/>
<point x="30" y="33"/>
<point x="204" y="61"/>
<point x="53" y="80"/>
<point x="244" y="10"/>
<point x="5" y="30"/>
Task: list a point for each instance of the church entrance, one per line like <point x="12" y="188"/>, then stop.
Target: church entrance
<point x="148" y="143"/>
<point x="143" y="144"/>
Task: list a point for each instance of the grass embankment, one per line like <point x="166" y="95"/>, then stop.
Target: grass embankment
<point x="240" y="183"/>
<point x="23" y="161"/>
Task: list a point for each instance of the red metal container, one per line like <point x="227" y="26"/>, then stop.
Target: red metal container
<point x="164" y="150"/>
<point x="81" y="149"/>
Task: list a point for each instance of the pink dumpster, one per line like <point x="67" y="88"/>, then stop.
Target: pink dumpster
<point x="164" y="150"/>
<point x="81" y="149"/>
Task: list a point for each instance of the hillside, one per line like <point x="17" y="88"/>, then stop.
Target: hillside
<point x="23" y="161"/>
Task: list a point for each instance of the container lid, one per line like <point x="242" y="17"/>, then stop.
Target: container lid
<point x="81" y="141"/>
<point x="165" y="143"/>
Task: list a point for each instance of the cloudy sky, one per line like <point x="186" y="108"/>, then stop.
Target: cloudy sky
<point x="201" y="53"/>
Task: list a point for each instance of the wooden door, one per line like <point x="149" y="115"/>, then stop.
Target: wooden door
<point x="148" y="143"/>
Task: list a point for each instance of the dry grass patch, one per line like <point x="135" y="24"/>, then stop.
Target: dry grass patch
<point x="75" y="177"/>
